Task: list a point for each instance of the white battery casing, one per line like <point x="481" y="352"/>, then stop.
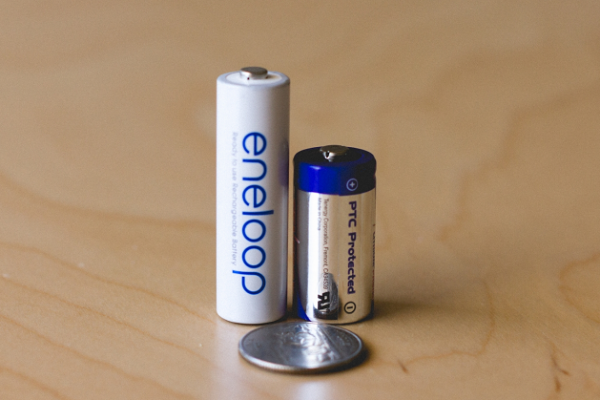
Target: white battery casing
<point x="252" y="197"/>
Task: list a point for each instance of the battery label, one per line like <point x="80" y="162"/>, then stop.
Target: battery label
<point x="334" y="239"/>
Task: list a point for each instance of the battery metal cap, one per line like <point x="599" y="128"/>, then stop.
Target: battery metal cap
<point x="334" y="169"/>
<point x="254" y="73"/>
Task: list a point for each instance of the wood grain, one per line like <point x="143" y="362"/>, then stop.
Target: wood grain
<point x="484" y="118"/>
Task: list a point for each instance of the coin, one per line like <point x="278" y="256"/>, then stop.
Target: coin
<point x="301" y="347"/>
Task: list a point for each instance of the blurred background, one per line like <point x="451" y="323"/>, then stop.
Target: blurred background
<point x="484" y="117"/>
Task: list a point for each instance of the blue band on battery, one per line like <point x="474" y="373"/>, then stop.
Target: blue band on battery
<point x="354" y="173"/>
<point x="299" y="309"/>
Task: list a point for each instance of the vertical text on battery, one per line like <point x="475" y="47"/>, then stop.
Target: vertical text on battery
<point x="254" y="196"/>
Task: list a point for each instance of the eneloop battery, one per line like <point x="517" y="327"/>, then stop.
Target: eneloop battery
<point x="334" y="234"/>
<point x="252" y="195"/>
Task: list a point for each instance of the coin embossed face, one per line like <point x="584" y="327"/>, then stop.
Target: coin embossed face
<point x="301" y="347"/>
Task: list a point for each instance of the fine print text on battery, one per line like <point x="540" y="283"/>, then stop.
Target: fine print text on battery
<point x="234" y="195"/>
<point x="325" y="215"/>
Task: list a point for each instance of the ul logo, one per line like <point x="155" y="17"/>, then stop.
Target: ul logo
<point x="324" y="301"/>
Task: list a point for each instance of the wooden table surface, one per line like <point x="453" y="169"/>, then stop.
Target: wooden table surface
<point x="485" y="120"/>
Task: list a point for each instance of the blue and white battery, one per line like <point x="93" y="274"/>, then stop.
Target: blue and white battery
<point x="334" y="234"/>
<point x="253" y="117"/>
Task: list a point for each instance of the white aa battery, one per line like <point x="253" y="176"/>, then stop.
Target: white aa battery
<point x="252" y="195"/>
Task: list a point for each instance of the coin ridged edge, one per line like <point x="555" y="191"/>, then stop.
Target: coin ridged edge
<point x="355" y="358"/>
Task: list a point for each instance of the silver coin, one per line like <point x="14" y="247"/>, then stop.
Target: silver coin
<point x="301" y="347"/>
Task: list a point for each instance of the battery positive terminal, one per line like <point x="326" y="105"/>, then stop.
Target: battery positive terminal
<point x="332" y="151"/>
<point x="252" y="73"/>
